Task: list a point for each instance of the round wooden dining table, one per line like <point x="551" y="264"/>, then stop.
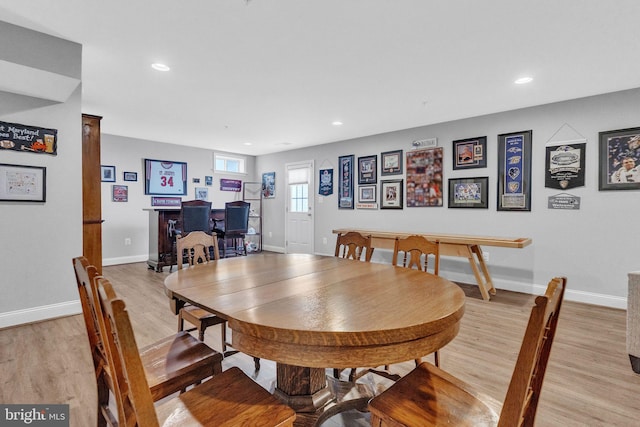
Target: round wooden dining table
<point x="311" y="312"/>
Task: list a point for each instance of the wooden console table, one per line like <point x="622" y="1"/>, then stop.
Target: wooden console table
<point x="459" y="245"/>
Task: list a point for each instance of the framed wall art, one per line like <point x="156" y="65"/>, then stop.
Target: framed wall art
<point x="165" y="178"/>
<point x="107" y="173"/>
<point x="119" y="193"/>
<point x="424" y="177"/>
<point x="619" y="159"/>
<point x="469" y="192"/>
<point x="391" y="193"/>
<point x="202" y="193"/>
<point x="367" y="194"/>
<point x="19" y="183"/>
<point x="391" y="163"/>
<point x="268" y="185"/>
<point x="130" y="176"/>
<point x="470" y="153"/>
<point x="345" y="182"/>
<point x="514" y="171"/>
<point x="368" y="169"/>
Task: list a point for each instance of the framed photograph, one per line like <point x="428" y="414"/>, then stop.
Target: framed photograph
<point x="469" y="192"/>
<point x="391" y="163"/>
<point x="130" y="176"/>
<point x="425" y="177"/>
<point x="19" y="183"/>
<point x="391" y="192"/>
<point x="345" y="182"/>
<point x="368" y="169"/>
<point x="108" y="173"/>
<point x="514" y="171"/>
<point x="367" y="194"/>
<point x="202" y="193"/>
<point x="165" y="178"/>
<point x="269" y="185"/>
<point x="470" y="153"/>
<point x="619" y="159"/>
<point x="119" y="193"/>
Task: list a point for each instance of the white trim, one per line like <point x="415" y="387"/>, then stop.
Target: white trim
<point x="124" y="260"/>
<point x="37" y="314"/>
<point x="278" y="249"/>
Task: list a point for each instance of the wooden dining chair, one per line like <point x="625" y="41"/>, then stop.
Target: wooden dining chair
<point x="171" y="364"/>
<point x="415" y="252"/>
<point x="196" y="247"/>
<point x="229" y="398"/>
<point x="429" y="396"/>
<point x="353" y="245"/>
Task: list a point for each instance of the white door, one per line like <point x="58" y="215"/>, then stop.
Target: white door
<point x="299" y="209"/>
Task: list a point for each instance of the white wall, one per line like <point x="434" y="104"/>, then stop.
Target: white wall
<point x="128" y="220"/>
<point x="40" y="239"/>
<point x="595" y="246"/>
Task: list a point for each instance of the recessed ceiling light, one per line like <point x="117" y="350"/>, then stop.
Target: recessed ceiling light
<point x="160" y="67"/>
<point x="247" y="143"/>
<point x="523" y="80"/>
<point x="337" y="123"/>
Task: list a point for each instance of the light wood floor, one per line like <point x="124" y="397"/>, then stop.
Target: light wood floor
<point x="589" y="381"/>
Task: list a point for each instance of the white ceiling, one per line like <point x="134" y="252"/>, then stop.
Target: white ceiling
<point x="277" y="73"/>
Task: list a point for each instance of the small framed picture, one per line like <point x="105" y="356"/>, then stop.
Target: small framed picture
<point x="119" y="193"/>
<point x="130" y="176"/>
<point x="202" y="193"/>
<point x="368" y="169"/>
<point x="391" y="194"/>
<point x="367" y="194"/>
<point x="469" y="192"/>
<point x="619" y="160"/>
<point x="514" y="171"/>
<point x="470" y="153"/>
<point x="391" y="163"/>
<point x="108" y="173"/>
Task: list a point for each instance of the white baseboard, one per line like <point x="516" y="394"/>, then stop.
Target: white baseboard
<point x="37" y="314"/>
<point x="278" y="249"/>
<point x="124" y="260"/>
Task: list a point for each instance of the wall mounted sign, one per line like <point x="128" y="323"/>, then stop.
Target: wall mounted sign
<point x="514" y="171"/>
<point x="564" y="201"/>
<point x="345" y="183"/>
<point x="14" y="136"/>
<point x="424" y="177"/>
<point x="564" y="167"/>
<point x="166" y="201"/>
<point x="326" y="182"/>
<point x="230" y="185"/>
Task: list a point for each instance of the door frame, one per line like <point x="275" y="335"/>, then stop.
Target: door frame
<point x="311" y="165"/>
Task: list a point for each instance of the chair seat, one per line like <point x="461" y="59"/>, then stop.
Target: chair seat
<point x="229" y="399"/>
<point x="176" y="362"/>
<point x="429" y="396"/>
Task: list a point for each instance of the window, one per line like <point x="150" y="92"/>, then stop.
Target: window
<point x="299" y="197"/>
<point x="228" y="163"/>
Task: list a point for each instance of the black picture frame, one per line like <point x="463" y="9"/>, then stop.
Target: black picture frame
<point x="618" y="149"/>
<point x="514" y="171"/>
<point x="470" y="193"/>
<point x="391" y="194"/>
<point x="367" y="193"/>
<point x="165" y="178"/>
<point x="391" y="163"/>
<point x="130" y="176"/>
<point x="107" y="173"/>
<point x="470" y="153"/>
<point x="345" y="182"/>
<point x="119" y="193"/>
<point x="368" y="169"/>
<point x="23" y="183"/>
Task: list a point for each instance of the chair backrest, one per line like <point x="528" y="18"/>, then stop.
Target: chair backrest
<point x="195" y="216"/>
<point x="236" y="217"/>
<point x="195" y="247"/>
<point x="132" y="393"/>
<point x="415" y="253"/>
<point x="86" y="275"/>
<point x="521" y="402"/>
<point x="352" y="245"/>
